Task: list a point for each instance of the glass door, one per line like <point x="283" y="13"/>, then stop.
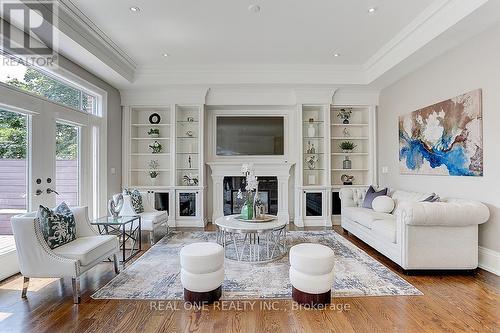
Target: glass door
<point x="68" y="175"/>
<point x="14" y="163"/>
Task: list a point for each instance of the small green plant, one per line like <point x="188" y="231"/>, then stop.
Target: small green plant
<point x="156" y="147"/>
<point x="347" y="145"/>
<point x="154" y="132"/>
<point x="153" y="165"/>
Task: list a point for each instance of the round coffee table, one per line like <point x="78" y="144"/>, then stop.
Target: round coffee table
<point x="252" y="241"/>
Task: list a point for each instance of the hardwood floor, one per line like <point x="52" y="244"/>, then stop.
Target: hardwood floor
<point x="451" y="303"/>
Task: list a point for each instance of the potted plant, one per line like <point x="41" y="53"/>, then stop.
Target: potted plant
<point x="153" y="172"/>
<point x="156" y="147"/>
<point x="345" y="115"/>
<point x="347" y="146"/>
<point x="154" y="132"/>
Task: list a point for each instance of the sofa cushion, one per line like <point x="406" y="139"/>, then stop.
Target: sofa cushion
<point x="58" y="225"/>
<point x="88" y="249"/>
<point x="365" y="216"/>
<point x="150" y="219"/>
<point x="371" y="194"/>
<point x="385" y="229"/>
<point x="383" y="204"/>
<point x="136" y="199"/>
<point x="400" y="196"/>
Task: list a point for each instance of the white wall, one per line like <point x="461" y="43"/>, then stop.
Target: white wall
<point x="472" y="65"/>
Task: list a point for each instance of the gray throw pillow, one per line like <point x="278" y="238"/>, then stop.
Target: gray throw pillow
<point x="58" y="225"/>
<point x="372" y="194"/>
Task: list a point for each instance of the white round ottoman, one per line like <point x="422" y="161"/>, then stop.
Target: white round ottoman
<point x="202" y="272"/>
<point x="311" y="273"/>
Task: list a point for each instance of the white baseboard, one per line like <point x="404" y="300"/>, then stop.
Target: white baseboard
<point x="489" y="260"/>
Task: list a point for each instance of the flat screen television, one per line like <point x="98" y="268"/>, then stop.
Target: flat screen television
<point x="247" y="136"/>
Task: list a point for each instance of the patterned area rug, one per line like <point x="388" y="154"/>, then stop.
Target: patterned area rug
<point x="155" y="275"/>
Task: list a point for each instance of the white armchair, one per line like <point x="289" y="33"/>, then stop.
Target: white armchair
<point x="151" y="219"/>
<point x="38" y="260"/>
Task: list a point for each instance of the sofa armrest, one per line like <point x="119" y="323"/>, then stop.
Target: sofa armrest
<point x="453" y="213"/>
<point x="127" y="208"/>
<point x="352" y="197"/>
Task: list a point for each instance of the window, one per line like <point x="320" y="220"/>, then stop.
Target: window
<point x="36" y="81"/>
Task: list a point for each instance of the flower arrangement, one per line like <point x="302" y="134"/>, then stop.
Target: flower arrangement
<point x="251" y="187"/>
<point x="154" y="132"/>
<point x="345" y="115"/>
<point x="156" y="147"/>
<point x="153" y="165"/>
<point x="347" y="146"/>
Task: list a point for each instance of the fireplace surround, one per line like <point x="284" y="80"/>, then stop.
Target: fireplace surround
<point x="279" y="170"/>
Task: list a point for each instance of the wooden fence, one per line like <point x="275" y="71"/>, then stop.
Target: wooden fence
<point x="13" y="188"/>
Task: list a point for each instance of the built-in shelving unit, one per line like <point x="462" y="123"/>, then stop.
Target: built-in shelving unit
<point x="140" y="154"/>
<point x="359" y="161"/>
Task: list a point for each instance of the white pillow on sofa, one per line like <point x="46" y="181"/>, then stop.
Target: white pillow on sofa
<point x="383" y="204"/>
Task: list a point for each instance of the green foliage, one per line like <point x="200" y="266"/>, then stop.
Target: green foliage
<point x="66" y="142"/>
<point x="13" y="126"/>
<point x="13" y="135"/>
<point x="41" y="84"/>
<point x="347" y="145"/>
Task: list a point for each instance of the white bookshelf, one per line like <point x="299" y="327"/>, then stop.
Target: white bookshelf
<point x="140" y="154"/>
<point x="360" y="131"/>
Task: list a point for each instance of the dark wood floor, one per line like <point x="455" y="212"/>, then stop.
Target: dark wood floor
<point x="451" y="303"/>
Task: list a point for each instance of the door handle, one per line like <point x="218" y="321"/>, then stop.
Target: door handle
<point x="49" y="191"/>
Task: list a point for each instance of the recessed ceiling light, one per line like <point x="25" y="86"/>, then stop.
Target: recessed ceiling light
<point x="254" y="8"/>
<point x="135" y="9"/>
<point x="372" y="10"/>
<point x="336" y="55"/>
<point x="166" y="55"/>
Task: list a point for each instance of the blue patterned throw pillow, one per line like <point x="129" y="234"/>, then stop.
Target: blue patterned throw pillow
<point x="58" y="225"/>
<point x="136" y="199"/>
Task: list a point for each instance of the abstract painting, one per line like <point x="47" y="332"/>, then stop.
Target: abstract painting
<point x="443" y="139"/>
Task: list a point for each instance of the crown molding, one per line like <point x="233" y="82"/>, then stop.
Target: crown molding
<point x="250" y="75"/>
<point x="432" y="22"/>
<point x="73" y="23"/>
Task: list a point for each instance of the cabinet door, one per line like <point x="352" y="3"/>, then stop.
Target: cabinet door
<point x="314" y="203"/>
<point x="187" y="204"/>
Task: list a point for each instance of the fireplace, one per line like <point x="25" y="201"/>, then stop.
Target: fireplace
<point x="227" y="178"/>
<point x="268" y="194"/>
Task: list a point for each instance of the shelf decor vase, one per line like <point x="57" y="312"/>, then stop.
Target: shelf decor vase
<point x="345" y="122"/>
<point x="347" y="163"/>
<point x="311" y="131"/>
<point x="247" y="211"/>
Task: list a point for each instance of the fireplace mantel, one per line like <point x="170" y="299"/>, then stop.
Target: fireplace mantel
<point x="279" y="169"/>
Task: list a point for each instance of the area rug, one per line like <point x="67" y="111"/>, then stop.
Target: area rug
<point x="155" y="275"/>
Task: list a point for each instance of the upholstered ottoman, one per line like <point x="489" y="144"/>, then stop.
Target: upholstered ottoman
<point x="311" y="273"/>
<point x="202" y="272"/>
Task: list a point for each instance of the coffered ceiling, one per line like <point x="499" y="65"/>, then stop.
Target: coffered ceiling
<point x="287" y="42"/>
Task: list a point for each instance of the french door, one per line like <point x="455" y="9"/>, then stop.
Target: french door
<point x="47" y="160"/>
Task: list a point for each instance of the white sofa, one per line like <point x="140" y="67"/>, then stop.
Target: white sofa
<point x="151" y="219"/>
<point x="418" y="235"/>
<point x="38" y="260"/>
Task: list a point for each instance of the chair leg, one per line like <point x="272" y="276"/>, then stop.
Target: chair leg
<point x="116" y="264"/>
<point x="76" y="290"/>
<point x="26" y="282"/>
